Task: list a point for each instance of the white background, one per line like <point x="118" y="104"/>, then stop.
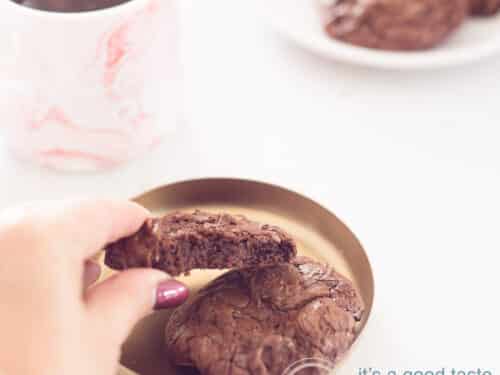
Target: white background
<point x="410" y="161"/>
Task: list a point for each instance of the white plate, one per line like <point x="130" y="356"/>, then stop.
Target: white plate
<point x="299" y="21"/>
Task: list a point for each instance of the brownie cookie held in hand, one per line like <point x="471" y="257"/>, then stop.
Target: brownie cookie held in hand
<point x="180" y="242"/>
<point x="262" y="320"/>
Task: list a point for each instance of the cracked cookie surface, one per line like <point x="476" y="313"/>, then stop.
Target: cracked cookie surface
<point x="180" y="242"/>
<point x="261" y="320"/>
<point x="393" y="24"/>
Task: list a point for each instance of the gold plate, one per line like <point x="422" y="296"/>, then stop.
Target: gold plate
<point x="318" y="232"/>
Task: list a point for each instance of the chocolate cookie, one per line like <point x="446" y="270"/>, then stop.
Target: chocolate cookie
<point x="180" y="242"/>
<point x="484" y="7"/>
<point x="394" y="24"/>
<point x="261" y="320"/>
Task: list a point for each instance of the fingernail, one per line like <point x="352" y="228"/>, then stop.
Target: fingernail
<point x="170" y="293"/>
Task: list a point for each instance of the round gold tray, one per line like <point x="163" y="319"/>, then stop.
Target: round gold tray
<point x="318" y="232"/>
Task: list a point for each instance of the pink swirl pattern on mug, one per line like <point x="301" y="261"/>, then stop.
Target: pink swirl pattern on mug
<point x="103" y="110"/>
<point x="118" y="46"/>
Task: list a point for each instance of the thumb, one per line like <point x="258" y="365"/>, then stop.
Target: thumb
<point x="120" y="301"/>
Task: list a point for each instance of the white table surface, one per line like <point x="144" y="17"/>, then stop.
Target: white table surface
<point x="410" y="161"/>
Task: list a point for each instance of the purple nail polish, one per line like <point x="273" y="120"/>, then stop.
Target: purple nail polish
<point x="170" y="293"/>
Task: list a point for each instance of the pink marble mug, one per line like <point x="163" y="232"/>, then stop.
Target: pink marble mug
<point x="88" y="90"/>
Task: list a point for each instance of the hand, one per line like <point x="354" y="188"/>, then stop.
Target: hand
<point x="50" y="322"/>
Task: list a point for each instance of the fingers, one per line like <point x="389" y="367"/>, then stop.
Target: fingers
<point x="119" y="302"/>
<point x="77" y="228"/>
<point x="90" y="225"/>
<point x="91" y="273"/>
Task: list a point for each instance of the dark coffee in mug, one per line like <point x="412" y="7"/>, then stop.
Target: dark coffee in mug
<point x="70" y="5"/>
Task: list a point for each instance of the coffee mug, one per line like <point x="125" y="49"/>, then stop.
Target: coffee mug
<point x="88" y="90"/>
